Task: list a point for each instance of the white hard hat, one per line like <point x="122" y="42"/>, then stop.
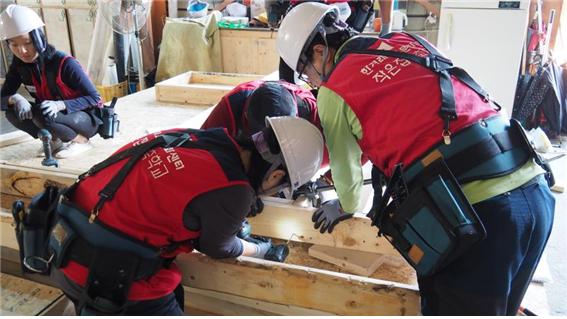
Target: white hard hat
<point x="301" y="145"/>
<point x="18" y="20"/>
<point x="298" y="28"/>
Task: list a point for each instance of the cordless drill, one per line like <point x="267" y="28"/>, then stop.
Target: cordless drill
<point x="275" y="253"/>
<point x="45" y="137"/>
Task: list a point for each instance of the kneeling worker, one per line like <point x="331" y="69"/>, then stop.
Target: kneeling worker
<point x="165" y="194"/>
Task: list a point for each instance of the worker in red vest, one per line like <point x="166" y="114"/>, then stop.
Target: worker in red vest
<point x="122" y="224"/>
<point x="466" y="203"/>
<point x="63" y="93"/>
<point x="243" y="111"/>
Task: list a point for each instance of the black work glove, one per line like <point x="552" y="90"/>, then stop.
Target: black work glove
<point x="256" y="207"/>
<point x="329" y="215"/>
<point x="245" y="230"/>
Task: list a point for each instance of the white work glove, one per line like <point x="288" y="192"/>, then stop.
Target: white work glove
<point x="51" y="108"/>
<point x="22" y="107"/>
<point x="262" y="245"/>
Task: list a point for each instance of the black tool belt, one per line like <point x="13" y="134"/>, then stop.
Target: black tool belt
<point x="114" y="260"/>
<point x="487" y="149"/>
<point x="424" y="212"/>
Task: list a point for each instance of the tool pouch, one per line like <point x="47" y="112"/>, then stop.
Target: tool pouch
<point x="110" y="122"/>
<point x="430" y="222"/>
<point x="517" y="129"/>
<point x="35" y="228"/>
<point x="61" y="237"/>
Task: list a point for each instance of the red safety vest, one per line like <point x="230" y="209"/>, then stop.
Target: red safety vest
<point x="53" y="69"/>
<point x="397" y="101"/>
<point x="150" y="203"/>
<point x="230" y="112"/>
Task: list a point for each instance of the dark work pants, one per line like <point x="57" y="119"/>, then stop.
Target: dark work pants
<point x="65" y="126"/>
<point x="168" y="305"/>
<point x="164" y="306"/>
<point x="492" y="277"/>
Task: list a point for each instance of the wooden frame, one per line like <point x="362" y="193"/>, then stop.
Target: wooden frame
<point x="14" y="137"/>
<point x="201" y="88"/>
<point x="291" y="287"/>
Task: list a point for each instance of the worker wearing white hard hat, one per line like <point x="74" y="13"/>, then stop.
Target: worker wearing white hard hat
<point x="197" y="200"/>
<point x="397" y="100"/>
<point x="63" y="94"/>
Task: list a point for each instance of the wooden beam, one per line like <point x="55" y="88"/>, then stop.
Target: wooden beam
<point x="14" y="138"/>
<point x="299" y="286"/>
<point x="357" y="262"/>
<point x="280" y="219"/>
<point x="284" y="284"/>
<point x="23" y="181"/>
<point x="223" y="304"/>
<point x="21" y="297"/>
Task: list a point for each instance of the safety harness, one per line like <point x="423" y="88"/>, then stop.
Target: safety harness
<point x="114" y="259"/>
<point x="438" y="64"/>
<point x="423" y="212"/>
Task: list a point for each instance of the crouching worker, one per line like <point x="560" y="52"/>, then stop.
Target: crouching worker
<point x="121" y="225"/>
<point x="63" y="92"/>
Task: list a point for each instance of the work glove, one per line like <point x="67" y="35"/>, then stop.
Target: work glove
<point x="266" y="250"/>
<point x="245" y="230"/>
<point x="22" y="107"/>
<point x="329" y="215"/>
<point x="50" y="108"/>
<point x="312" y="190"/>
<point x="256" y="207"/>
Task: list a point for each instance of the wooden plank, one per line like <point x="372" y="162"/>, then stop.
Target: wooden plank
<point x="97" y="64"/>
<point x="233" y="79"/>
<point x="299" y="286"/>
<point x="22" y="297"/>
<point x="81" y="31"/>
<point x="29" y="3"/>
<point x="249" y="51"/>
<point x="56" y="29"/>
<point x="14" y="138"/>
<point x="27" y="182"/>
<point x="60" y="307"/>
<point x="285" y="284"/>
<point x="201" y="88"/>
<point x="231" y="305"/>
<point x="357" y="262"/>
<point x="559" y="187"/>
<point x="280" y="219"/>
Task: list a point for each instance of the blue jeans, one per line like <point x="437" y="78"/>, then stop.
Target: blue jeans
<point x="493" y="276"/>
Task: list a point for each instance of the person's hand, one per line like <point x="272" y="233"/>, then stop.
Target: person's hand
<point x="22" y="107"/>
<point x="256" y="208"/>
<point x="266" y="250"/>
<point x="329" y="215"/>
<point x="50" y="108"/>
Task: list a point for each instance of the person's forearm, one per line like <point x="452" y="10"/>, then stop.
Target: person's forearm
<point x="429" y="7"/>
<point x="386" y="11"/>
<point x="223" y="5"/>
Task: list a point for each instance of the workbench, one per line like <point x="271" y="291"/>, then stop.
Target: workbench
<point x="240" y="286"/>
